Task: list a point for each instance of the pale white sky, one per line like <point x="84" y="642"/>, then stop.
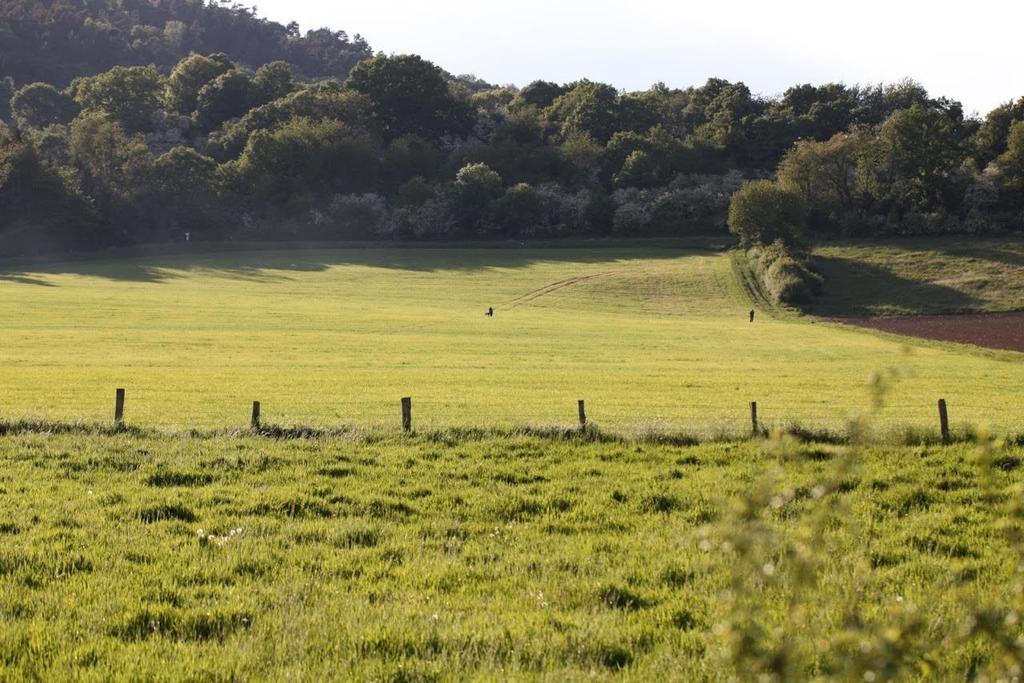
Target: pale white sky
<point x="970" y="51"/>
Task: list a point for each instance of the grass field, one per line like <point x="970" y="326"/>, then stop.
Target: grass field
<point x="915" y="276"/>
<point x="473" y="549"/>
<point x="651" y="338"/>
<point x="176" y="558"/>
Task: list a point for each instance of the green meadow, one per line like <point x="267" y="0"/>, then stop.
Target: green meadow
<point x="498" y="540"/>
<point x="652" y="338"/>
<point x="428" y="558"/>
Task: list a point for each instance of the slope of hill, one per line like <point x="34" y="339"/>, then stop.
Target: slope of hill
<point x="649" y="337"/>
<point x="934" y="275"/>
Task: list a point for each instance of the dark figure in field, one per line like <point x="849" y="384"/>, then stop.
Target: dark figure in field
<point x="751" y="315"/>
<point x="490" y="312"/>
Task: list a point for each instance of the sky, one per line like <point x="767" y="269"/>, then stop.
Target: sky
<point x="968" y="51"/>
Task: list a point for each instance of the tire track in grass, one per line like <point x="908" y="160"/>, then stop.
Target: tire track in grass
<point x="548" y="289"/>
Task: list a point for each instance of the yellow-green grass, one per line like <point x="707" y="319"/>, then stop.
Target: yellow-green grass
<point x="413" y="559"/>
<point x="923" y="275"/>
<point x="649" y="337"/>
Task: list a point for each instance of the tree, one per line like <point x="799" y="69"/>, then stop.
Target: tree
<point x="113" y="167"/>
<point x="990" y="140"/>
<point x="38" y="209"/>
<point x="273" y="81"/>
<point x="588" y="108"/>
<point x="226" y="97"/>
<point x="130" y="95"/>
<point x="762" y="212"/>
<point x="824" y="175"/>
<point x="409" y="96"/>
<point x="189" y="76"/>
<point x="520" y="209"/>
<point x="476" y="186"/>
<point x="918" y="152"/>
<point x="185" y="182"/>
<point x="1011" y="164"/>
<point x="308" y="157"/>
<point x="6" y="93"/>
<point x="39" y="105"/>
<point x="540" y="94"/>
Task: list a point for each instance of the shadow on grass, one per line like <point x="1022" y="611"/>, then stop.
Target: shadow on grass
<point x="270" y="262"/>
<point x="591" y="434"/>
<point x="862" y="289"/>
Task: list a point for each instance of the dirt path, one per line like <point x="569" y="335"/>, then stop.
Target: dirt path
<point x="548" y="289"/>
<point x="991" y="330"/>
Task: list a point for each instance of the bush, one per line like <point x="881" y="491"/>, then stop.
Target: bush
<point x="786" y="273"/>
<point x="792" y="282"/>
<point x="763" y="211"/>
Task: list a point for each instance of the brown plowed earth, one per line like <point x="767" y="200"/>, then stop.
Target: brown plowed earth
<point x="991" y="330"/>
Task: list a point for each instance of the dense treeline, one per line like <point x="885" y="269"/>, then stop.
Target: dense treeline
<point x="228" y="145"/>
<point x="59" y="40"/>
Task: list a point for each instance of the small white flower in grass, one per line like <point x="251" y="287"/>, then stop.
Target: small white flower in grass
<point x="768" y="569"/>
<point x="869" y="676"/>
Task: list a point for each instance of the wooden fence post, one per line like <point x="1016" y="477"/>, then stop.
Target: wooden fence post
<point x="119" y="407"/>
<point x="943" y="421"/>
<point x="583" y="413"/>
<point x="753" y="418"/>
<point x="407" y="414"/>
<point x="255" y="414"/>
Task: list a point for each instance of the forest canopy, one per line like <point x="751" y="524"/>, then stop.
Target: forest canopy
<point x="141" y="120"/>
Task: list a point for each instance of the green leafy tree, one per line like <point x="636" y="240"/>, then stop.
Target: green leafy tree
<point x="273" y="81"/>
<point x="39" y="210"/>
<point x="410" y="96"/>
<point x="228" y="96"/>
<point x="991" y="139"/>
<point x="539" y="94"/>
<point x="6" y="93"/>
<point x="130" y="95"/>
<point x="825" y="176"/>
<point x="520" y="209"/>
<point x="1011" y="165"/>
<point x="588" y="108"/>
<point x="763" y="212"/>
<point x="476" y="187"/>
<point x="918" y="151"/>
<point x="308" y="157"/>
<point x="38" y="105"/>
<point x="189" y="76"/>
<point x="114" y="167"/>
<point x="186" y="186"/>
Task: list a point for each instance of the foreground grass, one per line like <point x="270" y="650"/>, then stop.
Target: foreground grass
<point x="652" y="338"/>
<point x="387" y="558"/>
<point x="921" y="276"/>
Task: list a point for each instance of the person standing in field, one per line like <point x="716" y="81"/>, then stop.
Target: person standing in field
<point x="751" y="315"/>
<point x="490" y="312"/>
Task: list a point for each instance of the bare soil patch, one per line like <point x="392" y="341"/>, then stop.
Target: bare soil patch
<point x="991" y="330"/>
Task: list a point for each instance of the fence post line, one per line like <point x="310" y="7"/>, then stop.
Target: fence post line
<point x="407" y="414"/>
<point x="119" y="407"/>
<point x="583" y="413"/>
<point x="753" y="418"/>
<point x="255" y="414"/>
<point x="943" y="421"/>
